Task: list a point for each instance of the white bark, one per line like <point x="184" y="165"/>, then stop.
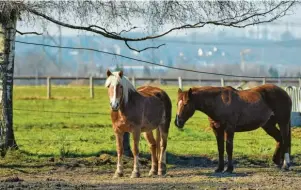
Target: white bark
<point x="7" y="70"/>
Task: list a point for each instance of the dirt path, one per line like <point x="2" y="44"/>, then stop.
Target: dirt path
<point x="177" y="178"/>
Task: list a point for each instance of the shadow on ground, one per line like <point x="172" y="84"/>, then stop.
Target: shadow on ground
<point x="109" y="159"/>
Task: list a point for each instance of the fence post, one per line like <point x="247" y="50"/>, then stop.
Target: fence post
<point x="91" y="87"/>
<point x="222" y="82"/>
<point x="134" y="81"/>
<point x="300" y="82"/>
<point x="263" y="81"/>
<point x="180" y="83"/>
<point x="48" y="87"/>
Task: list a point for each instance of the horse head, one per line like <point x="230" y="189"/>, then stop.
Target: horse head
<point x="185" y="107"/>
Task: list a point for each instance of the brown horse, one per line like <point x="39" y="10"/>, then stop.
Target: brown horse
<point x="230" y="111"/>
<point x="136" y="111"/>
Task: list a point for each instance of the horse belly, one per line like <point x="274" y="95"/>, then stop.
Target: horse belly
<point x="153" y="117"/>
<point x="253" y="117"/>
<point x="247" y="127"/>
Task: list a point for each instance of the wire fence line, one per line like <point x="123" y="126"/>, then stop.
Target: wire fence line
<point x="152" y="63"/>
<point x="61" y="112"/>
<point x="103" y="141"/>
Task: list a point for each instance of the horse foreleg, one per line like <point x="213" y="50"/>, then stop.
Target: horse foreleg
<point x="136" y="138"/>
<point x="229" y="149"/>
<point x="162" y="160"/>
<point x="152" y="145"/>
<point x="219" y="134"/>
<point x="119" y="147"/>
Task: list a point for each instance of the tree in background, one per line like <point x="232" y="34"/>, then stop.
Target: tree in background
<point x="273" y="72"/>
<point x="100" y="17"/>
<point x="146" y="71"/>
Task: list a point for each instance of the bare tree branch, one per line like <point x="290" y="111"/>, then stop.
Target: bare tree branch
<point x="25" y="33"/>
<point x="182" y="15"/>
<point x="127" y="30"/>
<point x="156" y="47"/>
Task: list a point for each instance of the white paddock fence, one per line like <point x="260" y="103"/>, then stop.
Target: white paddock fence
<point x="291" y="89"/>
<point x="295" y="94"/>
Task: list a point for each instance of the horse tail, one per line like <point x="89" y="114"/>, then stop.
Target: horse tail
<point x="164" y="128"/>
<point x="167" y="106"/>
<point x="290" y="137"/>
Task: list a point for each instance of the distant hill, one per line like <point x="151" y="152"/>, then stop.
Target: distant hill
<point x="214" y="50"/>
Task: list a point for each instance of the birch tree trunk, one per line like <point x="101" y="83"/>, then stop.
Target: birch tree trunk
<point x="6" y="74"/>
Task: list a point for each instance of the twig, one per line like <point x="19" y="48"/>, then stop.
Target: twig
<point x="154" y="47"/>
<point x="24" y="33"/>
<point x="127" y="30"/>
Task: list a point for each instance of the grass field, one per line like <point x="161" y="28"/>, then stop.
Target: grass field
<point x="47" y="129"/>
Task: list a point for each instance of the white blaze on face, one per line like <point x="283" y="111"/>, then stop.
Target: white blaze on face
<point x="113" y="98"/>
<point x="179" y="106"/>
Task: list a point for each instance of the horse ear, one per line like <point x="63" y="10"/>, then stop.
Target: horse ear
<point x="109" y="73"/>
<point x="180" y="91"/>
<point x="189" y="93"/>
<point x="120" y="74"/>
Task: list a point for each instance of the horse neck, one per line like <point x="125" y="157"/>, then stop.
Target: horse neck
<point x="132" y="98"/>
<point x="205" y="101"/>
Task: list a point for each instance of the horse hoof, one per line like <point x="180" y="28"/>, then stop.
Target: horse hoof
<point x="117" y="175"/>
<point x="286" y="167"/>
<point x="277" y="161"/>
<point x="218" y="170"/>
<point x="135" y="175"/>
<point x="228" y="171"/>
<point x="152" y="173"/>
<point x="162" y="172"/>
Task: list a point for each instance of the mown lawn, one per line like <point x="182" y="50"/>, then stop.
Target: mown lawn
<point x="47" y="128"/>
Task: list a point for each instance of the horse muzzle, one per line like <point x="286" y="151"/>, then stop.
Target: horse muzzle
<point x="115" y="106"/>
<point x="179" y="122"/>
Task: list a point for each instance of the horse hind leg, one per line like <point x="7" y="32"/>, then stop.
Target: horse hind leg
<point x="271" y="129"/>
<point x="285" y="131"/>
<point x="162" y="138"/>
<point x="153" y="149"/>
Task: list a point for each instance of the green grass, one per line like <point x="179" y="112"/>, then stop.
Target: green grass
<point x="45" y="134"/>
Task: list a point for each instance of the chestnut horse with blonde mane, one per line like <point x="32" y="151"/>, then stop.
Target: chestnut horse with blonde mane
<point x="136" y="111"/>
<point x="231" y="110"/>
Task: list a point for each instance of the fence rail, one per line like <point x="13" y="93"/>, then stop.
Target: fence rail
<point x="179" y="80"/>
<point x="161" y="78"/>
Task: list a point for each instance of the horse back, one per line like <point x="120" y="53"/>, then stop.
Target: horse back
<point x="277" y="99"/>
<point x="149" y="91"/>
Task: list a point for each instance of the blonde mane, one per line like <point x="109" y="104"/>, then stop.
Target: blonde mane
<point x="115" y="79"/>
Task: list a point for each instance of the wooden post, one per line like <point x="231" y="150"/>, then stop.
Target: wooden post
<point x="263" y="81"/>
<point x="48" y="87"/>
<point x="300" y="82"/>
<point x="222" y="82"/>
<point x="91" y="87"/>
<point x="133" y="81"/>
<point x="180" y="83"/>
